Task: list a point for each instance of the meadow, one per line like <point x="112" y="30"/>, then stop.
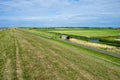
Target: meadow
<point x="101" y="35"/>
<point x="92" y="32"/>
<point x="33" y="55"/>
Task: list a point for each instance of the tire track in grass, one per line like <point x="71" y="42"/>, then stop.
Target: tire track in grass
<point x="7" y="71"/>
<point x="18" y="63"/>
<point x="4" y="57"/>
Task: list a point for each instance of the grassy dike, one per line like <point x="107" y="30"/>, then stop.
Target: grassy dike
<point x="43" y="58"/>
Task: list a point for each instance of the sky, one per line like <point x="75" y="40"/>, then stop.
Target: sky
<point x="59" y="13"/>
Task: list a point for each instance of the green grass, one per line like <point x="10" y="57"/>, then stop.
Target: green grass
<point x="7" y="56"/>
<point x="104" y="35"/>
<point x="88" y="32"/>
<point x="43" y="58"/>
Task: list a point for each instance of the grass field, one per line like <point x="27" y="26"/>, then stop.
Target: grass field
<point x="28" y="55"/>
<point x="104" y="35"/>
<point x="89" y="32"/>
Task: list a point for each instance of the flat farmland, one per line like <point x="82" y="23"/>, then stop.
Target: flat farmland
<point x="99" y="35"/>
<point x="88" y="32"/>
<point x="26" y="55"/>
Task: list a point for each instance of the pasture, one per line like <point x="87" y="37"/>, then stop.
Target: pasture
<point x="101" y="35"/>
<point x="88" y="32"/>
<point x="29" y="55"/>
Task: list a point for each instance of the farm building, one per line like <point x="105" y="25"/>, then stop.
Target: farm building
<point x="65" y="37"/>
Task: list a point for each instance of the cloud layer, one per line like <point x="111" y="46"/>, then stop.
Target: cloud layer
<point x="60" y="13"/>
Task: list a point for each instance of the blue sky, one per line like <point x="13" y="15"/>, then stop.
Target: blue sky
<point x="52" y="13"/>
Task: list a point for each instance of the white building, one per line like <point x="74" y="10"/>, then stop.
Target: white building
<point x="65" y="37"/>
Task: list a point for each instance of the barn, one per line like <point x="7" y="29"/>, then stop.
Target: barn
<point x="65" y="37"/>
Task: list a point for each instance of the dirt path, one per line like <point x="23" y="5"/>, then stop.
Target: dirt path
<point x="7" y="74"/>
<point x="18" y="65"/>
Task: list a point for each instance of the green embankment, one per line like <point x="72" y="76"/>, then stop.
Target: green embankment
<point x="47" y="59"/>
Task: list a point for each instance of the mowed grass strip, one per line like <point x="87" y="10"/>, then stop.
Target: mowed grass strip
<point x="45" y="59"/>
<point x="7" y="56"/>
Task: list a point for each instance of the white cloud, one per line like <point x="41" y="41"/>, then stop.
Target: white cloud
<point x="60" y="10"/>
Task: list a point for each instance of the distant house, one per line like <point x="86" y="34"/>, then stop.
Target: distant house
<point x="65" y="37"/>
